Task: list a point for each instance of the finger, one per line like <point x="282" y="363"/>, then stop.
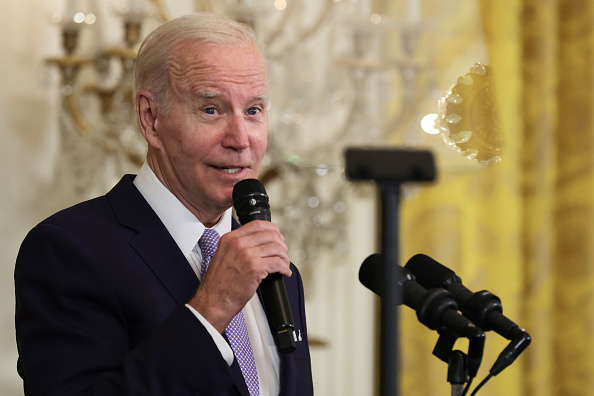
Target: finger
<point x="272" y="249"/>
<point x="257" y="226"/>
<point x="252" y="239"/>
<point x="274" y="265"/>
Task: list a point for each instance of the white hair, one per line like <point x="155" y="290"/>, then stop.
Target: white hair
<point x="154" y="56"/>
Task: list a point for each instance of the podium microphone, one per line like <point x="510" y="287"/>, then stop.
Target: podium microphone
<point x="435" y="308"/>
<point x="483" y="308"/>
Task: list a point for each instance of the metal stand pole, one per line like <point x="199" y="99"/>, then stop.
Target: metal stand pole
<point x="389" y="333"/>
<point x="389" y="168"/>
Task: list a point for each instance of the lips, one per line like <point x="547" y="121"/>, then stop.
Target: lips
<point x="231" y="170"/>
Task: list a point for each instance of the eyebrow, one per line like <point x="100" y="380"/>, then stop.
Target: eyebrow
<point x="204" y="94"/>
<point x="264" y="98"/>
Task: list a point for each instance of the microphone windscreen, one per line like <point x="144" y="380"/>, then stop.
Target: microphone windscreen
<point x="250" y="201"/>
<point x="247" y="187"/>
<point x="428" y="272"/>
<point x="370" y="273"/>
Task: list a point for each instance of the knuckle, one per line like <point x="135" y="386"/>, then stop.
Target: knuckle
<point x="237" y="243"/>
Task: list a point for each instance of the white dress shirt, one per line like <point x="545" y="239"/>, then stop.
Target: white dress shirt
<point x="185" y="229"/>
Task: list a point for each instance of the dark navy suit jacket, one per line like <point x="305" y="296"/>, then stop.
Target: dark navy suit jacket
<point x="100" y="294"/>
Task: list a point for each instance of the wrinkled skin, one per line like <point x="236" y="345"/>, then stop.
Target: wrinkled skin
<point x="212" y="135"/>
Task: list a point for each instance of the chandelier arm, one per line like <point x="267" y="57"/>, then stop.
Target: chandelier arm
<point x="71" y="106"/>
<point x="307" y="33"/>
<point x="280" y="26"/>
<point x="164" y="14"/>
<point x="403" y="115"/>
<point x="342" y="133"/>
<point x="345" y="131"/>
<point x="406" y="111"/>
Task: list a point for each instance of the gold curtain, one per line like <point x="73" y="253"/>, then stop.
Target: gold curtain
<point x="524" y="228"/>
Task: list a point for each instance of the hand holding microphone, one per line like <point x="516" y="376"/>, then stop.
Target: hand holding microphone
<point x="249" y="257"/>
<point x="251" y="203"/>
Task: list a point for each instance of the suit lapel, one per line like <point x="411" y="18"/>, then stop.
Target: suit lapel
<point x="163" y="257"/>
<point x="158" y="249"/>
<point x="167" y="262"/>
<point x="171" y="267"/>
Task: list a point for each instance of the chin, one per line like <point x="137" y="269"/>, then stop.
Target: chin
<point x="226" y="200"/>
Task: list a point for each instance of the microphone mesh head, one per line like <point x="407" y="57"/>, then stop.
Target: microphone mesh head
<point x="250" y="201"/>
<point x="247" y="187"/>
<point x="428" y="272"/>
<point x="370" y="273"/>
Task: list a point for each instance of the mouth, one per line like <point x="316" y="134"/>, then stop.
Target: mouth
<point x="230" y="170"/>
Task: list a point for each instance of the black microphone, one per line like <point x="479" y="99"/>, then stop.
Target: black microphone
<point x="251" y="203"/>
<point x="483" y="308"/>
<point x="435" y="308"/>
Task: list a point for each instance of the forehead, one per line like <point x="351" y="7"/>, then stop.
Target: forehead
<point x="196" y="66"/>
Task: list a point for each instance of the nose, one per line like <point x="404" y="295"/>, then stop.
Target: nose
<point x="236" y="135"/>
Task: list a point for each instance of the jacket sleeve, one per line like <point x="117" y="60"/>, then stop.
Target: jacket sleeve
<point x="73" y="338"/>
<point x="297" y="376"/>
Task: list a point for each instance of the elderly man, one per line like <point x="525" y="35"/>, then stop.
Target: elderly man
<point x="112" y="294"/>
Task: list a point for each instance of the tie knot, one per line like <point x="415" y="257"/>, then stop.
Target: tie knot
<point x="208" y="243"/>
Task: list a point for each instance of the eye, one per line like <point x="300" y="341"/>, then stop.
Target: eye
<point x="210" y="110"/>
<point x="253" y="111"/>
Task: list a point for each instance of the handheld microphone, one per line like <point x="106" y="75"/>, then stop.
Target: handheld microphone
<point x="483" y="308"/>
<point x="251" y="203"/>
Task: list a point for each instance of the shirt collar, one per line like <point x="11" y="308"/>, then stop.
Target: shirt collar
<point x="183" y="226"/>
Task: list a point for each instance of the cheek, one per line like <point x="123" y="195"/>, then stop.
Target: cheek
<point x="175" y="148"/>
<point x="262" y="144"/>
<point x="187" y="143"/>
<point x="183" y="155"/>
<point x="260" y="139"/>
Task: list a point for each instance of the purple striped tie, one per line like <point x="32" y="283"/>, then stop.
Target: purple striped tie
<point x="236" y="332"/>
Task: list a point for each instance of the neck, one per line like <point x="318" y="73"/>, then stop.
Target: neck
<point x="209" y="218"/>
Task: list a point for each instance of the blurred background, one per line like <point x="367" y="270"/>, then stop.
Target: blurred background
<point x="500" y="91"/>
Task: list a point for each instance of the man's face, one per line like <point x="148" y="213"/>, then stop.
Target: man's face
<point x="215" y="131"/>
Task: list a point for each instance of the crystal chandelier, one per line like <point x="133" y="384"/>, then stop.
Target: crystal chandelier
<point x="334" y="70"/>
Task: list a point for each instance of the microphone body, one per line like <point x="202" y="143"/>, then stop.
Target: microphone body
<point x="483" y="308"/>
<point x="435" y="308"/>
<point x="251" y="203"/>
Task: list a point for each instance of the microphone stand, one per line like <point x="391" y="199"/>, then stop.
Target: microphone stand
<point x="389" y="334"/>
<point x="461" y="367"/>
<point x="389" y="168"/>
<point x="457" y="371"/>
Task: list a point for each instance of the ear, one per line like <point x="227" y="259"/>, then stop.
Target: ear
<point x="147" y="110"/>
